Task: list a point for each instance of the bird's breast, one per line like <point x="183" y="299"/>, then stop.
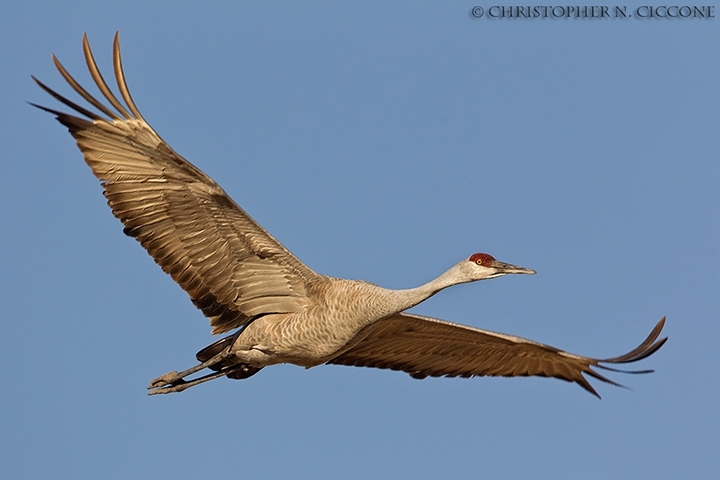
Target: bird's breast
<point x="326" y="328"/>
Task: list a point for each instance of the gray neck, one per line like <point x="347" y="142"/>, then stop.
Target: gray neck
<point x="408" y="298"/>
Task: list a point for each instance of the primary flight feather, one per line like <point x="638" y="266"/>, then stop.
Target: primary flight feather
<point x="242" y="279"/>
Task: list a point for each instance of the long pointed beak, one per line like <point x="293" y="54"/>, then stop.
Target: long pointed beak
<point x="505" y="268"/>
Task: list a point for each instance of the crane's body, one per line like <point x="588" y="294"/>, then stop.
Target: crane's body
<point x="243" y="279"/>
<point x="337" y="312"/>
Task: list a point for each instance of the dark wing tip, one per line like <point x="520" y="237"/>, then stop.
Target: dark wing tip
<point x="122" y="110"/>
<point x="645" y="349"/>
<point x="64" y="101"/>
<point x="45" y="109"/>
<point x="649" y="346"/>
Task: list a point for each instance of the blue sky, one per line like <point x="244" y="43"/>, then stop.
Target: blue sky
<point x="382" y="141"/>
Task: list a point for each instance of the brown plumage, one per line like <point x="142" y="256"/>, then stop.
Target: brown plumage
<point x="240" y="277"/>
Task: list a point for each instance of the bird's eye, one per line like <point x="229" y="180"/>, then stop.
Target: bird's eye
<point x="479" y="261"/>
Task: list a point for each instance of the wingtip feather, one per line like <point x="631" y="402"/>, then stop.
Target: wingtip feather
<point x="100" y="81"/>
<point x="120" y="77"/>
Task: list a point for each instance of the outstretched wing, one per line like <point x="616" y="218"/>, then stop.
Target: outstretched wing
<point x="232" y="269"/>
<point x="427" y="347"/>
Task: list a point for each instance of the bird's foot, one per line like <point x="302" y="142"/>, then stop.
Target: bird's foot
<point x="168" y="379"/>
<point x="170" y="388"/>
<point x="161" y="384"/>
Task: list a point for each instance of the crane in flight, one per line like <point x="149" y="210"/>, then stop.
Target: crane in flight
<point x="242" y="279"/>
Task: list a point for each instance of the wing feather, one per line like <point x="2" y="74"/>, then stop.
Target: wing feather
<point x="423" y="347"/>
<point x="232" y="269"/>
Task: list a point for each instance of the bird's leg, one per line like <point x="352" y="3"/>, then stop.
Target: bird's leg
<point x="173" y="378"/>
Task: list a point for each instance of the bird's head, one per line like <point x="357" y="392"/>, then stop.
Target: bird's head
<point x="481" y="266"/>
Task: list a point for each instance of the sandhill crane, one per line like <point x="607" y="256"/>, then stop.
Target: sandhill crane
<point x="241" y="278"/>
